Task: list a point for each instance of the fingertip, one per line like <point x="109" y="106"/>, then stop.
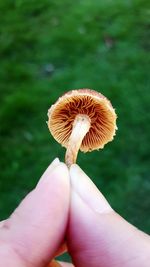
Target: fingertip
<point x="49" y="169"/>
<point x="53" y="164"/>
<point x="88" y="191"/>
<point x="62" y="172"/>
<point x="55" y="169"/>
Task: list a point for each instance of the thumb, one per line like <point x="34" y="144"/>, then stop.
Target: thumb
<point x="36" y="229"/>
<point x="97" y="236"/>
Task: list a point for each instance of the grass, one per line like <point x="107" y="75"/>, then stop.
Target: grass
<point x="48" y="47"/>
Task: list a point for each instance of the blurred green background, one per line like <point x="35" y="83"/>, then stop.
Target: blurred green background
<point x="49" y="47"/>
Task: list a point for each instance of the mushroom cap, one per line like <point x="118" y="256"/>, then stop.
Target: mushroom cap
<point x="102" y="115"/>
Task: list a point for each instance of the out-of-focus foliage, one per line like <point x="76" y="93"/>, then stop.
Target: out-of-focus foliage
<point x="48" y="47"/>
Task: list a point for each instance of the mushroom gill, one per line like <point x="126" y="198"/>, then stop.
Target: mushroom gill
<point x="87" y="102"/>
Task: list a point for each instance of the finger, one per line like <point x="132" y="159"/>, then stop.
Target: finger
<point x="96" y="235"/>
<point x="37" y="227"/>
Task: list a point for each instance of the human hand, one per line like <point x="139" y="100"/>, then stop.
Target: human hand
<point x="96" y="236"/>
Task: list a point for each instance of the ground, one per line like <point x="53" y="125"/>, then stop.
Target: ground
<point x="49" y="47"/>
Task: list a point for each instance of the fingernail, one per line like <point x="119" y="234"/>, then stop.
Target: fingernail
<point x="49" y="170"/>
<point x="87" y="190"/>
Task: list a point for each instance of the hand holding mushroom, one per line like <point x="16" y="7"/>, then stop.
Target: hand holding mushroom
<point x="96" y="235"/>
<point x="82" y="119"/>
<point x="65" y="204"/>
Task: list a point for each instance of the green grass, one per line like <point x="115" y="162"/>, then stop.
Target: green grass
<point x="95" y="44"/>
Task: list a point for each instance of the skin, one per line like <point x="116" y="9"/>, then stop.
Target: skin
<point x="66" y="204"/>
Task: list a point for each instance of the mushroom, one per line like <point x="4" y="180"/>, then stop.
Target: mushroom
<point x="82" y="119"/>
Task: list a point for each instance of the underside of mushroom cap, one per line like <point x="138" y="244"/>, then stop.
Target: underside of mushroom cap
<point x="83" y="101"/>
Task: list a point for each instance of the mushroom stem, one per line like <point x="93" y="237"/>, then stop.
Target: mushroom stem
<point x="81" y="126"/>
<point x="54" y="263"/>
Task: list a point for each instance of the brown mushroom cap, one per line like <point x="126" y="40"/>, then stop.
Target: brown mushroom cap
<point x="83" y="101"/>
